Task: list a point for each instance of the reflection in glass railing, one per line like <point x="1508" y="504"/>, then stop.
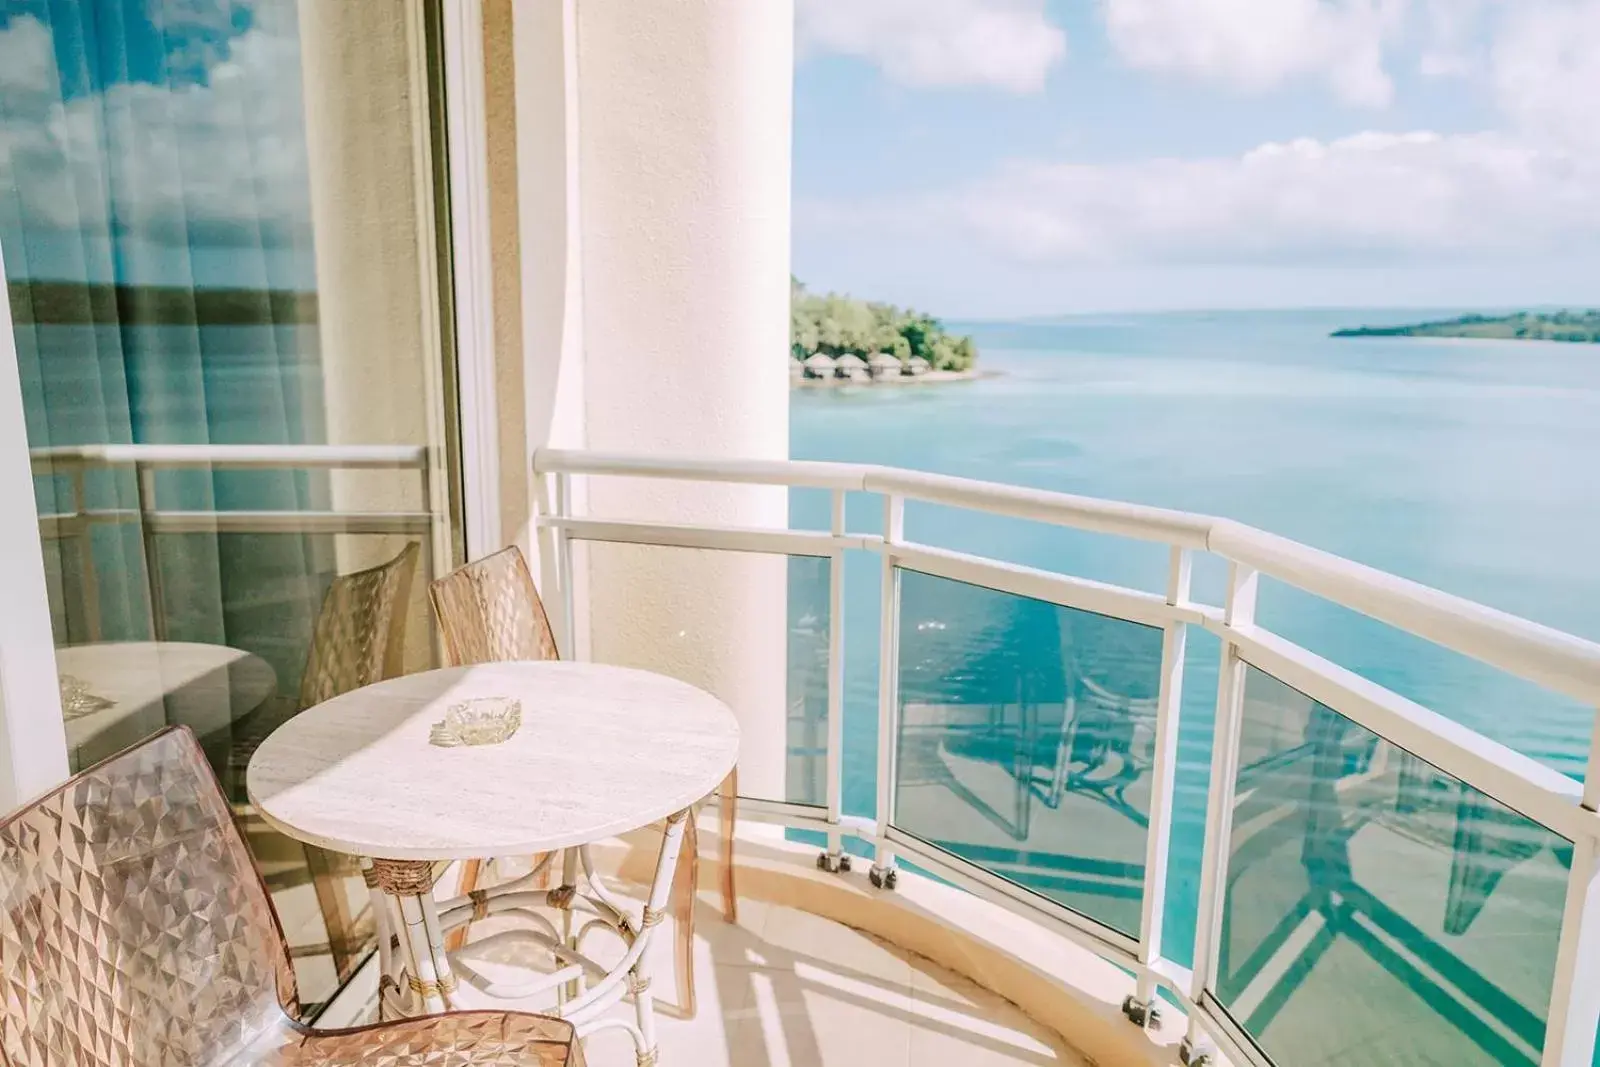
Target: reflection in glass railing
<point x="1026" y="737"/>
<point x="705" y="601"/>
<point x="1377" y="909"/>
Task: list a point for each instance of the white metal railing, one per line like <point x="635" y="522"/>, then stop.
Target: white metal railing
<point x="1557" y="660"/>
<point x="74" y="525"/>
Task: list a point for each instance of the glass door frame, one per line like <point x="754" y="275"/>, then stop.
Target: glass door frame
<point x="33" y="738"/>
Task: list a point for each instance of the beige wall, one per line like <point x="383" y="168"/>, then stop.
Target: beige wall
<point x="372" y="195"/>
<point x="500" y="114"/>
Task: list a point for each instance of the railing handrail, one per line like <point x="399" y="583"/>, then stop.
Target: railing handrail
<point x="350" y="457"/>
<point x="795" y="473"/>
<point x="1554" y="658"/>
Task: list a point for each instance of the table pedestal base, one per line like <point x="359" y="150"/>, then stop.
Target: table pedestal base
<point x="420" y="977"/>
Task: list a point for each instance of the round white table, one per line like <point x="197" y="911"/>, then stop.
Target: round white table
<point x="601" y="750"/>
<point x="151" y="684"/>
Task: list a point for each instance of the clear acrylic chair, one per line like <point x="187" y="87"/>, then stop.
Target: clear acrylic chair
<point x="359" y="635"/>
<point x="489" y="611"/>
<point x="358" y="638"/>
<point x="136" y="932"/>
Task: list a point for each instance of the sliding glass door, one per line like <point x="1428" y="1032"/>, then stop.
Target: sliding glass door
<point x="220" y="224"/>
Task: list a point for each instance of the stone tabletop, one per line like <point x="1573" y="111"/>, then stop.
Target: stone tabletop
<point x="152" y="684"/>
<point x="601" y="750"/>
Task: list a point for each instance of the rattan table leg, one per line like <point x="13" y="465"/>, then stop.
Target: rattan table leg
<point x="428" y="974"/>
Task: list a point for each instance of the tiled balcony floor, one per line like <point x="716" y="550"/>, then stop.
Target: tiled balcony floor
<point x="785" y="988"/>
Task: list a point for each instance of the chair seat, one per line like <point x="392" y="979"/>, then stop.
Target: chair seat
<point x="458" y="1039"/>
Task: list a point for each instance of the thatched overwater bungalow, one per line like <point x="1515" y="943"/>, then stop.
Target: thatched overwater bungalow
<point x="883" y="366"/>
<point x="853" y="367"/>
<point x="820" y="365"/>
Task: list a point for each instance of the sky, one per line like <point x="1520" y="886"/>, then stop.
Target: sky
<point x="998" y="158"/>
<point x="973" y="158"/>
<point x="158" y="142"/>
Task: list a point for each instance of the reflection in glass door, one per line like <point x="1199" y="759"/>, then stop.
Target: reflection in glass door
<point x="219" y="226"/>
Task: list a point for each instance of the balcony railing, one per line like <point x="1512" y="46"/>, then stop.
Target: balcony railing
<point x="73" y="525"/>
<point x="1042" y="775"/>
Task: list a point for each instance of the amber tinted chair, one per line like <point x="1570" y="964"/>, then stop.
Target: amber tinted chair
<point x="136" y="933"/>
<point x="489" y="611"/>
<point x="358" y="638"/>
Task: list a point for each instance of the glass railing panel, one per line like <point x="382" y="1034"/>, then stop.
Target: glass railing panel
<point x="750" y="627"/>
<point x="1026" y="734"/>
<point x="1535" y="721"/>
<point x="1378" y="910"/>
<point x="1081" y="553"/>
<point x="863" y="603"/>
<point x="1191" y="782"/>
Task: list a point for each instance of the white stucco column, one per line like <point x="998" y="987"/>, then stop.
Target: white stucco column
<point x="683" y="160"/>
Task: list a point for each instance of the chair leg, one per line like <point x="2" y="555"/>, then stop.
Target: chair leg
<point x="471" y="873"/>
<point x="686" y="881"/>
<point x="728" y="812"/>
<point x="335" y="909"/>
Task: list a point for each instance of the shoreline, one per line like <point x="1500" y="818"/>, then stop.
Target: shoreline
<point x="1447" y="339"/>
<point x="933" y="377"/>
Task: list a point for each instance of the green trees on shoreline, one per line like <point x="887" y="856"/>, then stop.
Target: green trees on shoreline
<point x="834" y="325"/>
<point x="1581" y="327"/>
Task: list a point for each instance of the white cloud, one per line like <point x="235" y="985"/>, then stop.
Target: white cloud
<point x="27" y="64"/>
<point x="1370" y="198"/>
<point x="1528" y="191"/>
<point x="1546" y="70"/>
<point x="220" y="163"/>
<point x="1255" y="45"/>
<point x="1451" y="37"/>
<point x="1004" y="44"/>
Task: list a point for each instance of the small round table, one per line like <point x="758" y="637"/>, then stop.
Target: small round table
<point x="146" y="685"/>
<point x="601" y="750"/>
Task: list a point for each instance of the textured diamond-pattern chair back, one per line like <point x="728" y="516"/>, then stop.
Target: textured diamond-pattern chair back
<point x="359" y="636"/>
<point x="135" y="930"/>
<point x="490" y="612"/>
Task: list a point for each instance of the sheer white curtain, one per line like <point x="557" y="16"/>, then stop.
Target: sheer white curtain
<point x="154" y="208"/>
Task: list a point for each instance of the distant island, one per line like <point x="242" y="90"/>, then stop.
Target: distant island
<point x="839" y="339"/>
<point x="1581" y="327"/>
<point x="67" y="303"/>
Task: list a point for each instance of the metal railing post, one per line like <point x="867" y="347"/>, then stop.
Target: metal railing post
<point x="563" y="547"/>
<point x="1569" y="1036"/>
<point x="435" y="555"/>
<point x="835" y="859"/>
<point x="1163" y="774"/>
<point x="1239" y="611"/>
<point x="83" y="536"/>
<point x="145" y="479"/>
<point x="883" y="868"/>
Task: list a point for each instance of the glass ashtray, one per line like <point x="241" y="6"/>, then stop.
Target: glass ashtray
<point x="480" y="721"/>
<point x="77" y="700"/>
